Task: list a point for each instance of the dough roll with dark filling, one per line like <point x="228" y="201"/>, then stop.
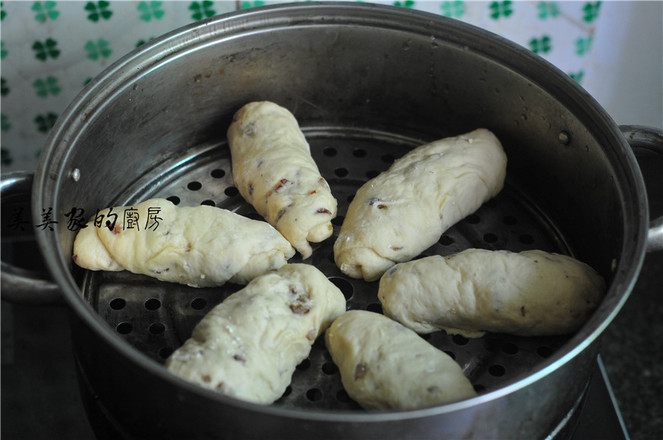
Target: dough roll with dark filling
<point x="384" y="365"/>
<point x="404" y="210"/>
<point x="248" y="346"/>
<point x="200" y="246"/>
<point x="274" y="171"/>
<point x="531" y="293"/>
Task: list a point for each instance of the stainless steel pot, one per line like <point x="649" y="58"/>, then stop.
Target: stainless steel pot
<point x="367" y="83"/>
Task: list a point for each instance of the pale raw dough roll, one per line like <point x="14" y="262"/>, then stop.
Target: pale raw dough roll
<point x="275" y="172"/>
<point x="248" y="346"/>
<point x="404" y="210"/>
<point x="531" y="293"/>
<point x="385" y="365"/>
<point x="199" y="246"/>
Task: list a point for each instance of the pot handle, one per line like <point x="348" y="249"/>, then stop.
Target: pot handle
<point x="650" y="139"/>
<point x="29" y="284"/>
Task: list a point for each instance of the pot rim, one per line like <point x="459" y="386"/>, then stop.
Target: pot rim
<point x="178" y="42"/>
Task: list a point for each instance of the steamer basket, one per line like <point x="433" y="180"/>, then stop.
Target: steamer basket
<point x="367" y="83"/>
<point x="157" y="317"/>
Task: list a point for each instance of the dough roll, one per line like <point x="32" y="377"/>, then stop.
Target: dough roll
<point x="274" y="171"/>
<point x="248" y="346"/>
<point x="199" y="246"/>
<point x="531" y="293"/>
<point x="385" y="365"/>
<point x="404" y="210"/>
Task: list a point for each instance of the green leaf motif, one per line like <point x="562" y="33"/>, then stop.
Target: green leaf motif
<point x="583" y="45"/>
<point x="45" y="11"/>
<point x="405" y="4"/>
<point x="6" y="156"/>
<point x="98" y="11"/>
<point x="548" y="10"/>
<point x="141" y="42"/>
<point x="453" y="9"/>
<point x="3" y="13"/>
<point x="246" y="5"/>
<point x="3" y="52"/>
<point x="98" y="49"/>
<point x="202" y="9"/>
<point x="46" y="86"/>
<point x="150" y="10"/>
<point x="501" y="9"/>
<point x="541" y="45"/>
<point x="4" y="88"/>
<point x="5" y="124"/>
<point x="46" y="49"/>
<point x="45" y="122"/>
<point x="591" y="11"/>
<point x="577" y="76"/>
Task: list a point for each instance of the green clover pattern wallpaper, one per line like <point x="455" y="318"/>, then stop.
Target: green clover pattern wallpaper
<point x="51" y="49"/>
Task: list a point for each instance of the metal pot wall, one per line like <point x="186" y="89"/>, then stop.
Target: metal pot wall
<point x="358" y="77"/>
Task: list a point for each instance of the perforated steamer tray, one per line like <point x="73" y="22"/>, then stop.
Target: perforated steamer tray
<point x="157" y="317"/>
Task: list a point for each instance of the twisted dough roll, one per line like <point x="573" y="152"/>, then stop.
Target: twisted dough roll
<point x="404" y="210"/>
<point x="274" y="171"/>
<point x="249" y="345"/>
<point x="199" y="246"/>
<point x="531" y="293"/>
<point x="385" y="365"/>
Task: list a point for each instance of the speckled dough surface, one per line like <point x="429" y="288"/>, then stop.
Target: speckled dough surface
<point x="274" y="171"/>
<point x="199" y="246"/>
<point x="531" y="293"/>
<point x="249" y="345"/>
<point x="384" y="365"/>
<point x="404" y="210"/>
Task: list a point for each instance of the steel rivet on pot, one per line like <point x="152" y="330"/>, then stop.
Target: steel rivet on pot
<point x="564" y="138"/>
<point x="75" y="174"/>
